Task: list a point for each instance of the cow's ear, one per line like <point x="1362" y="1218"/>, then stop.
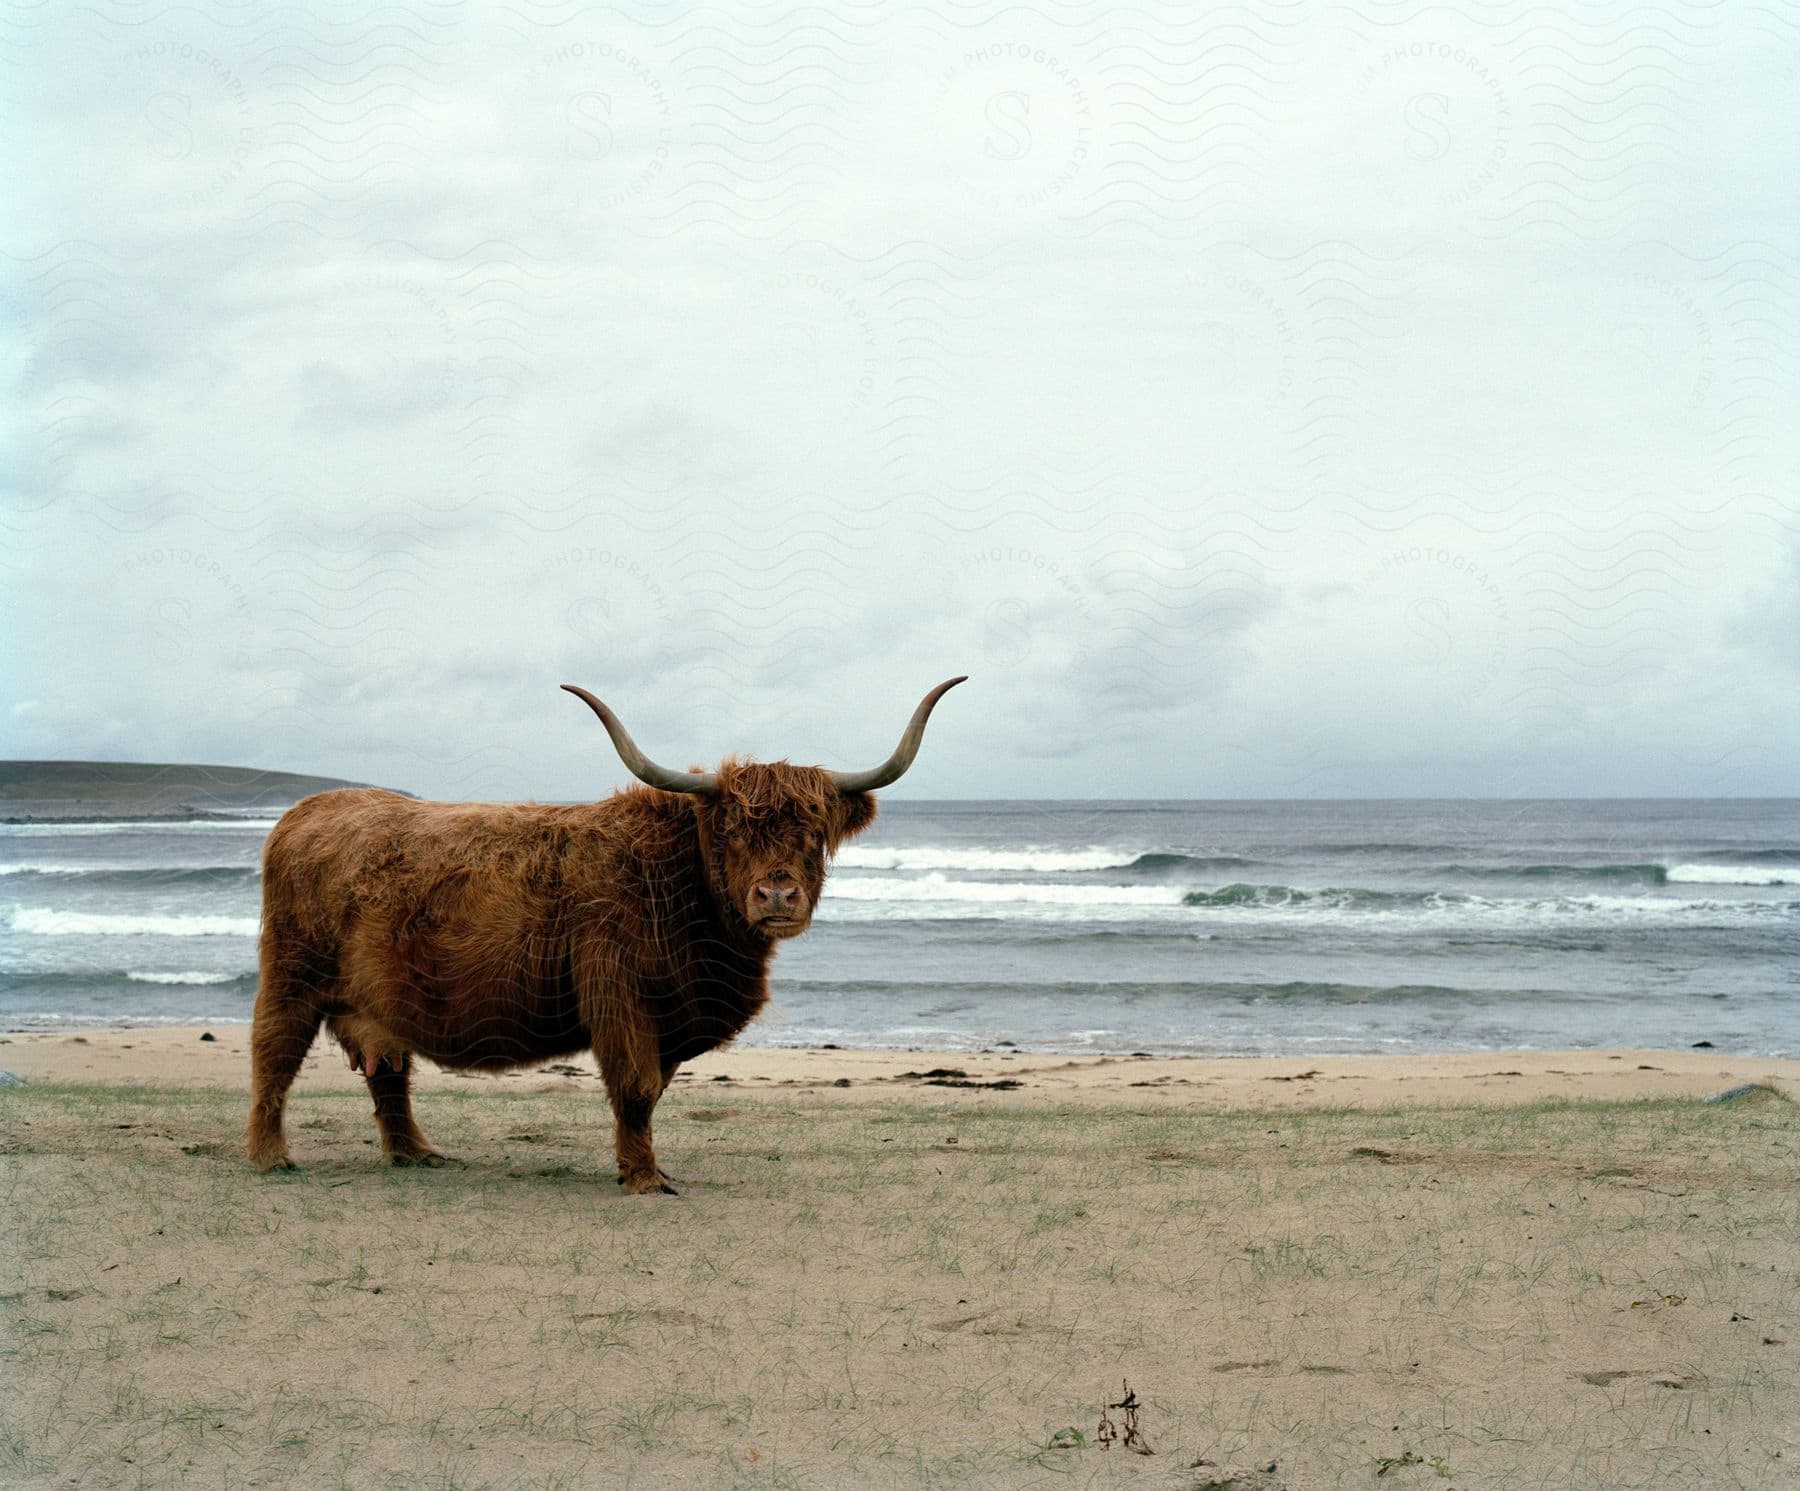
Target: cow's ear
<point x="855" y="812"/>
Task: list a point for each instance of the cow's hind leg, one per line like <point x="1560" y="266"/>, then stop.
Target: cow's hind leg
<point x="390" y="1083"/>
<point x="286" y="1020"/>
<point x="669" y="1069"/>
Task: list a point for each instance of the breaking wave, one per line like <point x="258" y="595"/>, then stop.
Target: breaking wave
<point x="1735" y="874"/>
<point x="44" y="829"/>
<point x="1521" y="911"/>
<point x="125" y="875"/>
<point x="1031" y="861"/>
<point x="1171" y="864"/>
<point x="40" y="921"/>
<point x="1247" y="991"/>
<point x="1777" y="872"/>
<point x="62" y="979"/>
<point x="932" y="895"/>
<point x="186" y="978"/>
<point x="1639" y="874"/>
<point x="938" y="887"/>
<point x="960" y="857"/>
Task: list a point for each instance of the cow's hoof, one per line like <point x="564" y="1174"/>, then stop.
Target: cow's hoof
<point x="267" y="1163"/>
<point x="649" y="1183"/>
<point x="428" y="1159"/>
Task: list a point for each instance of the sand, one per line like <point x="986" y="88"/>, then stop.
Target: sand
<point x="1532" y="1270"/>
<point x="180" y="1056"/>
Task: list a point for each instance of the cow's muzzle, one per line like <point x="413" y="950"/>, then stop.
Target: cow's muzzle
<point x="778" y="908"/>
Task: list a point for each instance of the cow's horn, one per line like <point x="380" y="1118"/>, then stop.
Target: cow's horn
<point x="892" y="769"/>
<point x="642" y="767"/>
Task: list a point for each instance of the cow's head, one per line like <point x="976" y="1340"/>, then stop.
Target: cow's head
<point x="767" y="830"/>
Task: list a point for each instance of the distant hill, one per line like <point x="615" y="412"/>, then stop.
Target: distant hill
<point x="33" y="791"/>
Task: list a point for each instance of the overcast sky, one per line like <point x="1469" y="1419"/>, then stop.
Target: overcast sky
<point x="1305" y="401"/>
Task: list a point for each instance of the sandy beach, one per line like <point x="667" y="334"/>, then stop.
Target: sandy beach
<point x="183" y="1057"/>
<point x="1544" y="1269"/>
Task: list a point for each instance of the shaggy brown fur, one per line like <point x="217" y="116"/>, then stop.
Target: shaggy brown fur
<point x="493" y="935"/>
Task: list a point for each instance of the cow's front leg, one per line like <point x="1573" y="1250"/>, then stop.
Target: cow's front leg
<point x="638" y="1171"/>
<point x="633" y="1076"/>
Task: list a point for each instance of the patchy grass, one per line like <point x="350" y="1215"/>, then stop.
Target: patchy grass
<point x="1570" y="1296"/>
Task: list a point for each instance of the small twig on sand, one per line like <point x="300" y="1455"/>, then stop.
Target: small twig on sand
<point x="1133" y="1436"/>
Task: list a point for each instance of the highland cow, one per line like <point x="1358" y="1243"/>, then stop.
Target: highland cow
<point x="489" y="935"/>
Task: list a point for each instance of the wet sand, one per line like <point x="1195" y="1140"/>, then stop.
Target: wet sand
<point x="179" y="1055"/>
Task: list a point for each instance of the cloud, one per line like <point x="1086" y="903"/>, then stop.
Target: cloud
<point x="1250" y="404"/>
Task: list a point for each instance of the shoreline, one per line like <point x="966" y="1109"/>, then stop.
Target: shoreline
<point x="179" y="1056"/>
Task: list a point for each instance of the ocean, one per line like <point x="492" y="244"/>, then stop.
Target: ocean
<point x="1167" y="927"/>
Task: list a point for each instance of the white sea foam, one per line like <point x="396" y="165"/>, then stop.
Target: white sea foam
<point x="1734" y="874"/>
<point x="965" y="857"/>
<point x="27" y="1019"/>
<point x="42" y="922"/>
<point x="183" y="978"/>
<point x="937" y="887"/>
<point x="1617" y="909"/>
<point x="133" y="826"/>
<point x="936" y="896"/>
<point x="148" y="871"/>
